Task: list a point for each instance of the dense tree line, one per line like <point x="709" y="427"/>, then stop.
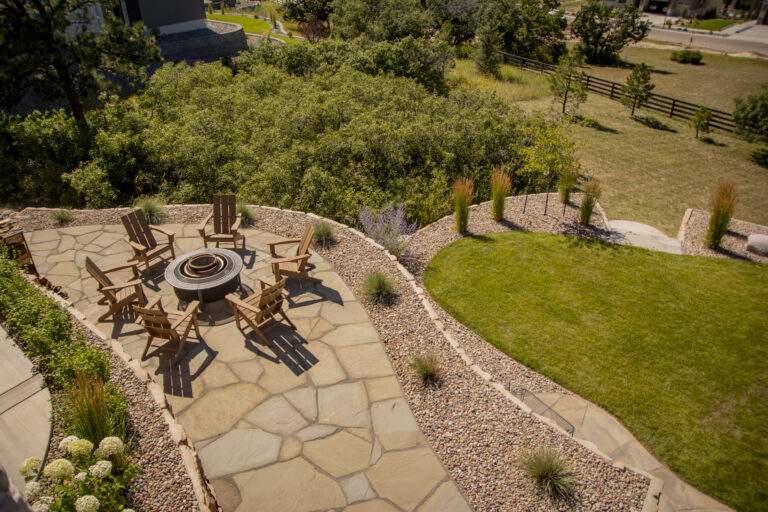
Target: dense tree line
<point x="330" y="139"/>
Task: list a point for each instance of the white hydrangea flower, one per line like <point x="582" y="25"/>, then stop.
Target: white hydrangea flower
<point x="101" y="469"/>
<point x="32" y="490"/>
<point x="81" y="476"/>
<point x="128" y="510"/>
<point x="64" y="443"/>
<point x="30" y="467"/>
<point x="99" y="454"/>
<point x="111" y="446"/>
<point x="43" y="504"/>
<point x="87" y="503"/>
<point x="59" y="469"/>
<point x="80" y="448"/>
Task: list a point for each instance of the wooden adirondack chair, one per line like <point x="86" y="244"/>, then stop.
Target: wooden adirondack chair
<point x="116" y="296"/>
<point x="259" y="309"/>
<point x="173" y="326"/>
<point x="145" y="247"/>
<point x="226" y="222"/>
<point x="298" y="265"/>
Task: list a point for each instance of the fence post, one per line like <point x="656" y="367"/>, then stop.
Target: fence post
<point x="672" y="108"/>
<point x="613" y="85"/>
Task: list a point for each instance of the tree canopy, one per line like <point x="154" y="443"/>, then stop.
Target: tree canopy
<point x="604" y="31"/>
<point x="70" y="49"/>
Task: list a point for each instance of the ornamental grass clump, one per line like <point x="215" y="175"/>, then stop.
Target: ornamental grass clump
<point x="427" y="368"/>
<point x="566" y="183"/>
<point x="247" y="217"/>
<point x="62" y="216"/>
<point x="152" y="208"/>
<point x="500" y="186"/>
<point x="550" y="471"/>
<point x="721" y="205"/>
<point x="388" y="227"/>
<point x="379" y="288"/>
<point x="94" y="410"/>
<point x="592" y="191"/>
<point x="324" y="235"/>
<point x="463" y="192"/>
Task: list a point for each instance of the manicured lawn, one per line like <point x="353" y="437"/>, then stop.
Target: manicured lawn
<point x="649" y="175"/>
<point x="674" y="346"/>
<point x="714" y="25"/>
<point x="252" y="25"/>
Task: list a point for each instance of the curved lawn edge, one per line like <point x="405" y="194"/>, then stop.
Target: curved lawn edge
<point x="479" y="460"/>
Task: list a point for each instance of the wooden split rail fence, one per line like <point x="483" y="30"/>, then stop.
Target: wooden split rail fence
<point x="671" y="107"/>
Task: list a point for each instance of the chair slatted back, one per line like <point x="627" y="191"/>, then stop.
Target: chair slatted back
<point x="271" y="300"/>
<point x="137" y="227"/>
<point x="224" y="213"/>
<point x="156" y="321"/>
<point x="306" y="240"/>
<point x="97" y="274"/>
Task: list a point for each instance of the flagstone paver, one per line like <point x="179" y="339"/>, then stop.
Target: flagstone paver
<point x="314" y="421"/>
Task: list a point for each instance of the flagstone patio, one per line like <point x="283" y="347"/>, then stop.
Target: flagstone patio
<point x="314" y="421"/>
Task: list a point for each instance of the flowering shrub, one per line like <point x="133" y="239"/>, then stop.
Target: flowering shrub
<point x="90" y="482"/>
<point x="387" y="226"/>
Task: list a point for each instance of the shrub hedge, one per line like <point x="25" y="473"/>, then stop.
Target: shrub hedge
<point x="43" y="330"/>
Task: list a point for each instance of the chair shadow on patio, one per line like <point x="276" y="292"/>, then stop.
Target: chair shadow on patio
<point x="178" y="376"/>
<point x="298" y="291"/>
<point x="287" y="347"/>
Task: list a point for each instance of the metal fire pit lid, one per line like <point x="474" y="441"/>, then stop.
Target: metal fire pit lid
<point x="231" y="266"/>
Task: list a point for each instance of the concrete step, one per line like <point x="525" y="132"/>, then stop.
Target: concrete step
<point x="637" y="234"/>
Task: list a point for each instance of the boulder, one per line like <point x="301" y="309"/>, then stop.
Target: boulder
<point x="758" y="244"/>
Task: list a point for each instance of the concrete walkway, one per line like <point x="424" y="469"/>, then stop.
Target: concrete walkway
<point x="645" y="236"/>
<point x="314" y="421"/>
<point x="597" y="426"/>
<point x="25" y="410"/>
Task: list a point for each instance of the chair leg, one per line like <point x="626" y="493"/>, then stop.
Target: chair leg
<point x="146" y="348"/>
<point x="197" y="327"/>
<point x="261" y="336"/>
<point x="182" y="342"/>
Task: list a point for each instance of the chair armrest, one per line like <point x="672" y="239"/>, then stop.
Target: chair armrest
<point x="272" y="245"/>
<point x="166" y="233"/>
<point x="191" y="308"/>
<point x="120" y="286"/>
<point x="290" y="259"/>
<point x="132" y="266"/>
<point x="236" y="225"/>
<point x="201" y="227"/>
<point x="237" y="303"/>
<point x="136" y="246"/>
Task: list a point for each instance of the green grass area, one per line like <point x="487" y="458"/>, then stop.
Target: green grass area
<point x="675" y="346"/>
<point x="715" y="25"/>
<point x="716" y="83"/>
<point x="252" y="25"/>
<point x="649" y="175"/>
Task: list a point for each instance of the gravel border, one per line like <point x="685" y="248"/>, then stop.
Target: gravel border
<point x="693" y="230"/>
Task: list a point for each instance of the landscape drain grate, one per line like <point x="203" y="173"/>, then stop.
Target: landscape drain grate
<point x="542" y="409"/>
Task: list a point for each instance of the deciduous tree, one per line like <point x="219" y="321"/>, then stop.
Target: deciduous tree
<point x="604" y="31"/>
<point x="568" y="82"/>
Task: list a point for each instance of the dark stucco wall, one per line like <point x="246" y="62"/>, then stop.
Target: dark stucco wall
<point x="157" y="13"/>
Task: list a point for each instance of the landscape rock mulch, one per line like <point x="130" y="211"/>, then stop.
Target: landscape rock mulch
<point x="477" y="433"/>
<point x="733" y="245"/>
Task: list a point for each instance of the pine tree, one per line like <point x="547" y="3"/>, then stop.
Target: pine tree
<point x="568" y="82"/>
<point x="638" y="88"/>
<point x="488" y="56"/>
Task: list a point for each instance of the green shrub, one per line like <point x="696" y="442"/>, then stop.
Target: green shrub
<point x="550" y="471"/>
<point x="62" y="217"/>
<point x="500" y="185"/>
<point x="378" y="287"/>
<point x="247" y="216"/>
<point x="463" y="192"/>
<point x="152" y="208"/>
<point x="700" y="121"/>
<point x="427" y="368"/>
<point x="94" y="410"/>
<point x="324" y="234"/>
<point x="760" y="156"/>
<point x="721" y="205"/>
<point x="751" y="115"/>
<point x="592" y="191"/>
<point x="65" y="363"/>
<point x="687" y="56"/>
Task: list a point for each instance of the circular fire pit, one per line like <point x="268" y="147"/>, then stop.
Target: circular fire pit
<point x="206" y="275"/>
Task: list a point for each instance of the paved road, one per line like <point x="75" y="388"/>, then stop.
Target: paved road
<point x="705" y="41"/>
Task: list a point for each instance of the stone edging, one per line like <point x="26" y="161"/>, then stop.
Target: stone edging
<point x="684" y="224"/>
<point x="653" y="495"/>
<point x="204" y="493"/>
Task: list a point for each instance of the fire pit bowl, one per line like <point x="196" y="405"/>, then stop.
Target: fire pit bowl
<point x="206" y="275"/>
